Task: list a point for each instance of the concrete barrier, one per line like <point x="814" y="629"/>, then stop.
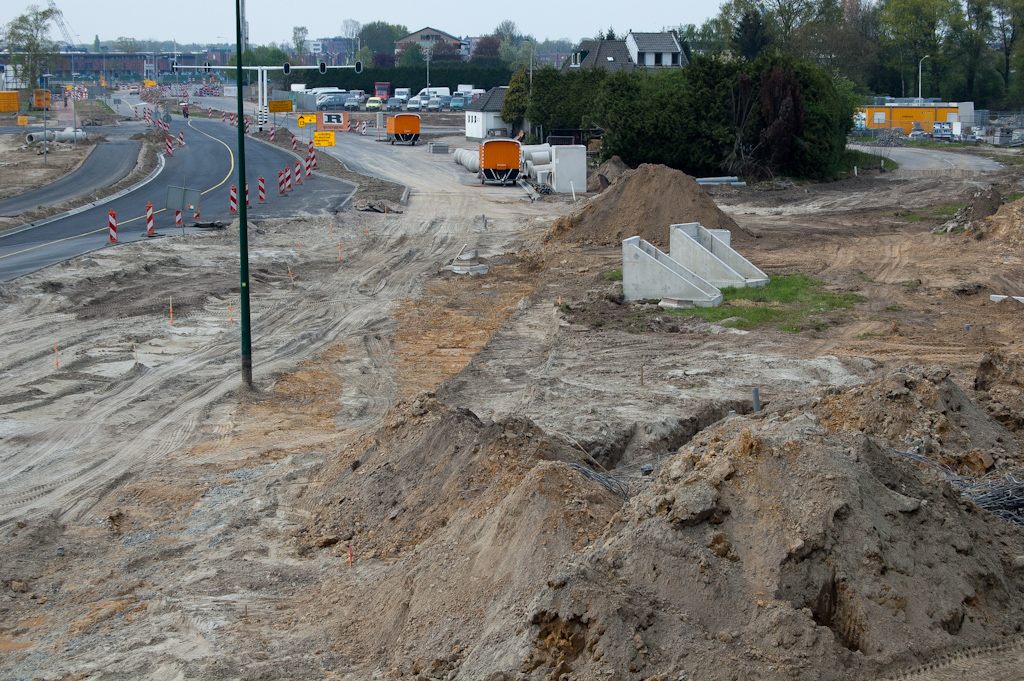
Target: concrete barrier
<point x="649" y="273"/>
<point x="708" y="255"/>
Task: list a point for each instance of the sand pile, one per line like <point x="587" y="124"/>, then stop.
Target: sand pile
<point x="1007" y="223"/>
<point x="999" y="386"/>
<point x="765" y="548"/>
<point x="611" y="170"/>
<point x="981" y="205"/>
<point x="644" y="202"/>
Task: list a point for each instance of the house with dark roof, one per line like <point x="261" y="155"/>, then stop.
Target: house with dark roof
<point x="426" y="38"/>
<point x="656" y="50"/>
<point x="610" y="55"/>
<point x="483" y="115"/>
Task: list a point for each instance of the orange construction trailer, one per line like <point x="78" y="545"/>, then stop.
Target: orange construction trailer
<point x="404" y="128"/>
<point x="499" y="161"/>
<point x="924" y="115"/>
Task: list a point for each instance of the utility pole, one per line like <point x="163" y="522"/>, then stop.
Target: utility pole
<point x="919" y="75"/>
<point x="243" y="220"/>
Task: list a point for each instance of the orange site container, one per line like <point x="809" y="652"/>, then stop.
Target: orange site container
<point x="499" y="160"/>
<point x="9" y="101"/>
<point x="403" y="127"/>
<point x="905" y="116"/>
<point x="41" y="99"/>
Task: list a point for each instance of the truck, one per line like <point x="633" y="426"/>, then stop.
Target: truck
<point x="382" y="90"/>
<point x="428" y="92"/>
<point x="403" y="93"/>
<point x="464" y="89"/>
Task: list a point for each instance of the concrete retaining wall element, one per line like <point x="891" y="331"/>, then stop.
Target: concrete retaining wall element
<point x="649" y="273"/>
<point x="705" y="254"/>
<point x="570" y="168"/>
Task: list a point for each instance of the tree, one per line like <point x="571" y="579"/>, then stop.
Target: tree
<point x="442" y="51"/>
<point x="517" y="99"/>
<point x="507" y="30"/>
<point x="488" y="46"/>
<point x="383" y="60"/>
<point x="96" y="43"/>
<point x="411" y="55"/>
<point x="516" y="56"/>
<point x="380" y="36"/>
<point x="28" y="39"/>
<point x="912" y="29"/>
<point x="299" y="34"/>
<point x="127" y="45"/>
<point x="750" y="37"/>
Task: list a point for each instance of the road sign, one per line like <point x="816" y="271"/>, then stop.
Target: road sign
<point x="279" y="105"/>
<point x="332" y="120"/>
<point x="305" y="119"/>
<point x="22" y="120"/>
<point x="323" y="139"/>
<point x="182" y="198"/>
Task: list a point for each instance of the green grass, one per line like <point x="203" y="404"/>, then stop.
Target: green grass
<point x="870" y="334"/>
<point x="933" y="144"/>
<point x="863" y="160"/>
<point x="791" y="301"/>
<point x="1013" y="196"/>
<point x="612" y="275"/>
<point x="942" y="211"/>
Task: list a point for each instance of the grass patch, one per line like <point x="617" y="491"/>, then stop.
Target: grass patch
<point x="934" y="144"/>
<point x="612" y="275"/>
<point x="870" y="334"/>
<point x="1013" y="196"/>
<point x="790" y="301"/>
<point x="865" y="160"/>
<point x="894" y="308"/>
<point x="935" y="212"/>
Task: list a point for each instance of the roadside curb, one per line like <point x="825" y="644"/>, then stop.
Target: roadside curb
<point x="89" y="206"/>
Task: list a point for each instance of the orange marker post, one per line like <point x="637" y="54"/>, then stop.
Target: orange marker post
<point x="56" y="353"/>
<point x="339" y="252"/>
<point x="171" y="306"/>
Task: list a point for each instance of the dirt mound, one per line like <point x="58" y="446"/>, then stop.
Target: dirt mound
<point x="1007" y="223"/>
<point x="922" y="410"/>
<point x="981" y="205"/>
<point x="763" y="547"/>
<point x="612" y="170"/>
<point x="999" y="383"/>
<point x="644" y="202"/>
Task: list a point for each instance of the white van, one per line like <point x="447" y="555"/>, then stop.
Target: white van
<point x="428" y="92"/>
<point x="403" y="93"/>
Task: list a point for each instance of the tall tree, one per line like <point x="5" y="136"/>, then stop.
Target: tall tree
<point x="126" y="44"/>
<point x="299" y="34"/>
<point x="349" y="30"/>
<point x="517" y="99"/>
<point x="411" y="55"/>
<point x="914" y="29"/>
<point x="380" y="36"/>
<point x="488" y="46"/>
<point x="750" y="37"/>
<point x="27" y="36"/>
<point x="1008" y="20"/>
<point x="507" y="30"/>
<point x="442" y="51"/>
<point x="970" y="33"/>
<point x="96" y="43"/>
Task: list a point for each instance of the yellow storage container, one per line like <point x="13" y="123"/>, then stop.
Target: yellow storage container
<point x="41" y="99"/>
<point x="8" y="101"/>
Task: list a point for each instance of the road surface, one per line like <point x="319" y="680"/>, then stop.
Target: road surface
<point x="108" y="163"/>
<point x="207" y="162"/>
<point x="931" y="159"/>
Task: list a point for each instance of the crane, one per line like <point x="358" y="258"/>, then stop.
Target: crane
<point x="65" y="30"/>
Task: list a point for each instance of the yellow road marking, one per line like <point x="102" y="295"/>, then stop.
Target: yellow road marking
<point x="125" y="222"/>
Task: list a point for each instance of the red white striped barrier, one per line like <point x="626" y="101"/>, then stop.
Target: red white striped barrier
<point x="170" y="144"/>
<point x="196" y="216"/>
<point x="149" y="218"/>
<point x="261" y="190"/>
<point x="280" y="182"/>
<point x="247" y="204"/>
<point x="209" y="112"/>
<point x="310" y="152"/>
<point x="181" y="138"/>
<point x="112" y="226"/>
<point x="364" y="128"/>
<point x="309" y="167"/>
<point x="298" y="173"/>
<point x="288" y="179"/>
<point x="233" y="199"/>
<point x="177" y="218"/>
<point x="136" y="110"/>
<point x="314" y="158"/>
<point x="223" y="116"/>
<point x="295" y="143"/>
<point x="271" y="133"/>
<point x="246" y="126"/>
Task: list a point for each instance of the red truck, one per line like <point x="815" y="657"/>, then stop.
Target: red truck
<point x="382" y="90"/>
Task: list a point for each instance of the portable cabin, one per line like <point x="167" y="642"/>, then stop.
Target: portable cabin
<point x="404" y="128"/>
<point x="499" y="161"/>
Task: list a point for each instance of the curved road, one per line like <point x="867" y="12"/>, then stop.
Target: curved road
<point x="931" y="159"/>
<point x="207" y="162"/>
<point x="107" y="164"/>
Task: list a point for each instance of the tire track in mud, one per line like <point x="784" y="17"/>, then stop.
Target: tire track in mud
<point x="999" y="662"/>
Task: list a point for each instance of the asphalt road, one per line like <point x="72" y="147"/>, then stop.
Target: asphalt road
<point x="108" y="163"/>
<point x="931" y="159"/>
<point x="207" y="162"/>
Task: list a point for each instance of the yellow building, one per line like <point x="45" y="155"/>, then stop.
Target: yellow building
<point x="906" y="115"/>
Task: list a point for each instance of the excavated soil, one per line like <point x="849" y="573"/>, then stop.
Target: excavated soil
<point x="452" y="477"/>
<point x="611" y="170"/>
<point x="643" y="202"/>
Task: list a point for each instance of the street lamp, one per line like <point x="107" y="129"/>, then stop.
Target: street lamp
<point x="74" y="114"/>
<point x="46" y="89"/>
<point x="919" y="75"/>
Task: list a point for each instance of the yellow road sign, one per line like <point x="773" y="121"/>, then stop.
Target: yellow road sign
<point x="22" y="120"/>
<point x="279" y="105"/>
<point x="306" y="118"/>
<point x="323" y="139"/>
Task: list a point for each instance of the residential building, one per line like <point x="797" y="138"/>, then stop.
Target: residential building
<point x="655" y="50"/>
<point x="611" y="55"/>
<point x="483" y="117"/>
<point x="425" y="38"/>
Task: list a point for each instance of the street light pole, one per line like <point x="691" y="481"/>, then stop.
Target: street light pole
<point x="243" y="220"/>
<point x="919" y="75"/>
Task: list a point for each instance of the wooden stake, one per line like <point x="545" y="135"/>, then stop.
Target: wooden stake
<point x="290" y="275"/>
<point x="641" y="374"/>
<point x="339" y="252"/>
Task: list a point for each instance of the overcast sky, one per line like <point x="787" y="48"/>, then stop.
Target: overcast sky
<point x="202" y="21"/>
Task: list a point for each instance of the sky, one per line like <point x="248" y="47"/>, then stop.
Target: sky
<point x="203" y="21"/>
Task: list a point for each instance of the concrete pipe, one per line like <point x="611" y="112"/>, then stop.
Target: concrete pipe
<point x="540" y="157"/>
<point x="528" y="150"/>
<point x="34" y="137"/>
<point x="69" y="135"/>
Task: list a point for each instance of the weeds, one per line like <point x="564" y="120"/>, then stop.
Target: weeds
<point x="612" y="275"/>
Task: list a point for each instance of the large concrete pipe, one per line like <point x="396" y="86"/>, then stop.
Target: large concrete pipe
<point x="66" y="135"/>
<point x="468" y="159"/>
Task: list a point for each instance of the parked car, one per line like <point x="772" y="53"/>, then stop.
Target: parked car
<point x="414" y="104"/>
<point x="331" y="104"/>
<point x="434" y="104"/>
<point x="374" y="104"/>
<point x="393" y="104"/>
<point x="446" y="101"/>
<point x="403" y="93"/>
<point x="352" y="104"/>
<point x="457" y="104"/>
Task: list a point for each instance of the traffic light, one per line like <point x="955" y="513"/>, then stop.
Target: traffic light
<point x="287" y="68"/>
<point x="174" y="66"/>
<point x="359" y="67"/>
<point x="207" y="67"/>
<point x="322" y="67"/>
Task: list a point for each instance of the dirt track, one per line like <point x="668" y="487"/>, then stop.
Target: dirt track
<point x="199" y="531"/>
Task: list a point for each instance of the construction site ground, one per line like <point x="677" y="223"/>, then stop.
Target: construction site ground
<point x="402" y="494"/>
